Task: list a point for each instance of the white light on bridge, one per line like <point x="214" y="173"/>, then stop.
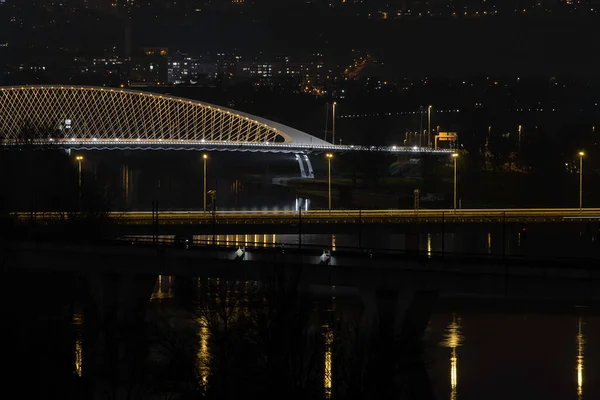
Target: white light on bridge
<point x="240" y="253"/>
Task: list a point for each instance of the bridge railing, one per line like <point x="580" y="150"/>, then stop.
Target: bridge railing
<point x="460" y="215"/>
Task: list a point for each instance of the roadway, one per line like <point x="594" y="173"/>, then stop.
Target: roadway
<point x="335" y="217"/>
<point x="203" y="145"/>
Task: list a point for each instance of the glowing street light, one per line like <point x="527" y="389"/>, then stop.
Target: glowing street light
<point x="204" y="159"/>
<point x="329" y="157"/>
<point x="455" y="157"/>
<point x="581" y="154"/>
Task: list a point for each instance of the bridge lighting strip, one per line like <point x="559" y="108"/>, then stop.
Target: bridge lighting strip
<point x="182" y="144"/>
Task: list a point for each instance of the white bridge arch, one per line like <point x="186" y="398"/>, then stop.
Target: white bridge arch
<point x="95" y="115"/>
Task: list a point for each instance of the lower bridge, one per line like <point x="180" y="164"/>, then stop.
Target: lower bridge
<point x="315" y="221"/>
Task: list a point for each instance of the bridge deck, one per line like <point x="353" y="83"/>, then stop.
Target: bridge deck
<point x="554" y="215"/>
<point x="205" y="145"/>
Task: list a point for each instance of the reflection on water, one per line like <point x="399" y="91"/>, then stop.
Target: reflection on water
<point x="333" y="242"/>
<point x="203" y="356"/>
<point x="453" y="339"/>
<point x="249" y="239"/>
<point x="429" y="245"/>
<point x="489" y="242"/>
<point x="328" y="336"/>
<point x="580" y="348"/>
<point x="328" y="344"/>
<point x="78" y="324"/>
<point x="163" y="288"/>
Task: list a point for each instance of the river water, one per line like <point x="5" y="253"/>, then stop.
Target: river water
<point x="79" y="335"/>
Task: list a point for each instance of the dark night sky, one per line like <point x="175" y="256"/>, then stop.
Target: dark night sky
<point x="422" y="47"/>
<point x="534" y="45"/>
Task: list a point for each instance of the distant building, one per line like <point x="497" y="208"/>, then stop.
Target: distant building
<point x="109" y="70"/>
<point x="149" y="66"/>
<point x="183" y="69"/>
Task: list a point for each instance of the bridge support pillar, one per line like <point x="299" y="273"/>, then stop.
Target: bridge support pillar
<point x="306" y="169"/>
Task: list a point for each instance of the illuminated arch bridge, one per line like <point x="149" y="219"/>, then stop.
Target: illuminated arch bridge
<point x="94" y="117"/>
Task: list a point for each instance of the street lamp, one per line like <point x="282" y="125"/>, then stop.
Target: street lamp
<point x="429" y="126"/>
<point x="204" y="159"/>
<point x="326" y="119"/>
<point x="581" y="154"/>
<point x="333" y="126"/>
<point x="455" y="157"/>
<point x="329" y="157"/>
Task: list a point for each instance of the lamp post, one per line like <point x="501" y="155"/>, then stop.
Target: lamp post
<point x="581" y="154"/>
<point x="455" y="157"/>
<point x="329" y="157"/>
<point x="204" y="159"/>
<point x="333" y="124"/>
<point x="326" y="119"/>
<point x="429" y="126"/>
<point x="79" y="159"/>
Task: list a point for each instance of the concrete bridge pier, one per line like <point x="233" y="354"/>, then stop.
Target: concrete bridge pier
<point x="306" y="169"/>
<point x="114" y="335"/>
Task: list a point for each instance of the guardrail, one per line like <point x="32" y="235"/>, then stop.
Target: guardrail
<point x="337" y="215"/>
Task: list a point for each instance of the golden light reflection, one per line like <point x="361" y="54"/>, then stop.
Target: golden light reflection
<point x="429" y="245"/>
<point x="580" y="348"/>
<point x="453" y="339"/>
<point x="248" y="240"/>
<point x="489" y="243"/>
<point x="333" y="242"/>
<point x="203" y="356"/>
<point x="453" y="374"/>
<point x="327" y="376"/>
<point x="163" y="288"/>
<point x="78" y="322"/>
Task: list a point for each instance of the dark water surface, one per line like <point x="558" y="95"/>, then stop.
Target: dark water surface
<point x="86" y="335"/>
